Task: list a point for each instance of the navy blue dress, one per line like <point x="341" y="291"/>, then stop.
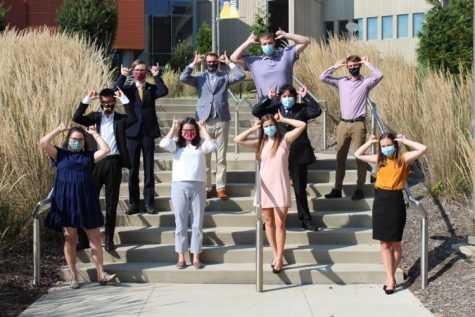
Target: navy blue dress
<point x="74" y="201"/>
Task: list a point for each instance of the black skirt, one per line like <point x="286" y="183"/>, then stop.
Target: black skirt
<point x="389" y="215"/>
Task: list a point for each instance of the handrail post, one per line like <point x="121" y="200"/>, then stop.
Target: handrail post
<point x="36" y="251"/>
<point x="259" y="234"/>
<point x="324" y="124"/>
<point x="424" y="252"/>
<point x="236" y="129"/>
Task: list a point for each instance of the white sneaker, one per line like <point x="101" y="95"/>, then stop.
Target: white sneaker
<point x="74" y="283"/>
<point x="107" y="278"/>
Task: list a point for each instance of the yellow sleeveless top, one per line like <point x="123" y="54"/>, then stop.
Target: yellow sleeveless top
<point x="392" y="176"/>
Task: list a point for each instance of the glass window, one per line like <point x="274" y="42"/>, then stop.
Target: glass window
<point x="328" y="29"/>
<point x="387" y="27"/>
<point x="342" y="28"/>
<point x="402" y="25"/>
<point x="417" y="21"/>
<point x="372" y="29"/>
<point x="360" y="29"/>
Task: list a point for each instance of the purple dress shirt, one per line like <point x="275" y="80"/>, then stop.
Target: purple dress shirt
<point x="353" y="93"/>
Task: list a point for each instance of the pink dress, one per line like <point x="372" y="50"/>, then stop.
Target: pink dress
<point x="275" y="188"/>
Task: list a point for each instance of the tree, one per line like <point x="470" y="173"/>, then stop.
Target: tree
<point x="182" y="55"/>
<point x="446" y="40"/>
<point x="203" y="39"/>
<point x="261" y="25"/>
<point x="94" y="19"/>
<point x="3" y="14"/>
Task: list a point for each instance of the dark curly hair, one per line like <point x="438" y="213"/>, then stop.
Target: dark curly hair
<point x="87" y="143"/>
<point x="181" y="142"/>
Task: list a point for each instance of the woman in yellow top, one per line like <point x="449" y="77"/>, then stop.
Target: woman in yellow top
<point x="389" y="209"/>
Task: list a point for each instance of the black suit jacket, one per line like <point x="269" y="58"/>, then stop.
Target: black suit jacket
<point x="147" y="121"/>
<point x="301" y="151"/>
<point x="121" y="122"/>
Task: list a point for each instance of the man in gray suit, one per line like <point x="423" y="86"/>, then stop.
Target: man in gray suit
<point x="212" y="107"/>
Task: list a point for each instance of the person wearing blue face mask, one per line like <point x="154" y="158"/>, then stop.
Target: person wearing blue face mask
<point x="274" y="68"/>
<point x="272" y="151"/>
<point x="301" y="151"/>
<point x="389" y="209"/>
<point x="74" y="201"/>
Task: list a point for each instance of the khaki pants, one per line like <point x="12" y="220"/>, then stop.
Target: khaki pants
<point x="218" y="130"/>
<point x="347" y="133"/>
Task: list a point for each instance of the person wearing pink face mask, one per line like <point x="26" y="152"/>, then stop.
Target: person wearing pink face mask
<point x="188" y="196"/>
<point x="142" y="134"/>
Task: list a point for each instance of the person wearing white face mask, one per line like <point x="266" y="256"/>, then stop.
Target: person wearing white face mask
<point x="389" y="209"/>
<point x="272" y="152"/>
<point x="301" y="151"/>
<point x="275" y="67"/>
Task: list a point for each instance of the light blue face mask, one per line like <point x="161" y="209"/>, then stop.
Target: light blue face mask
<point x="287" y="102"/>
<point x="270" y="130"/>
<point x="267" y="49"/>
<point x="388" y="150"/>
<point x="75" y="145"/>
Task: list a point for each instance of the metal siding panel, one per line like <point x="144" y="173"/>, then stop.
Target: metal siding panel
<point x="130" y="25"/>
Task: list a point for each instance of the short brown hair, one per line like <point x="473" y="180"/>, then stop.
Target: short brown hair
<point x="353" y="58"/>
<point x="267" y="36"/>
<point x="138" y="62"/>
<point x="212" y="54"/>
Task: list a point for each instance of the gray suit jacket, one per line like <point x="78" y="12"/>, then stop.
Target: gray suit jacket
<point x="216" y="95"/>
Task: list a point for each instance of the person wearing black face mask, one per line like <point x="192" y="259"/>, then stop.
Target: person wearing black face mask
<point x="351" y="130"/>
<point x="111" y="126"/>
<point x="212" y="107"/>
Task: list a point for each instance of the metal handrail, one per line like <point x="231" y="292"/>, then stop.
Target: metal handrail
<point x="324" y="111"/>
<point x="259" y="234"/>
<point x="40" y="207"/>
<point x="238" y="103"/>
<point x="413" y="202"/>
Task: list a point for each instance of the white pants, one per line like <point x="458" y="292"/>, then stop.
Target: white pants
<point x="189" y="201"/>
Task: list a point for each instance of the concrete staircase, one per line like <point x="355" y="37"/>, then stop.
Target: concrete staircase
<point x="341" y="252"/>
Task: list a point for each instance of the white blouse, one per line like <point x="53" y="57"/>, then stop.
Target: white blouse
<point x="189" y="162"/>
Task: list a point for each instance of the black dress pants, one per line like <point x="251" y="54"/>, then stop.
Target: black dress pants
<point x="108" y="173"/>
<point x="146" y="145"/>
<point x="298" y="173"/>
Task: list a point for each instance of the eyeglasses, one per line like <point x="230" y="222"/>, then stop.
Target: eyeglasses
<point x="110" y="103"/>
<point x="76" y="139"/>
<point x="141" y="70"/>
<point x="189" y="130"/>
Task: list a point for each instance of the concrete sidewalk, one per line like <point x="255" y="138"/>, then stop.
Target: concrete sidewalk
<point x="130" y="299"/>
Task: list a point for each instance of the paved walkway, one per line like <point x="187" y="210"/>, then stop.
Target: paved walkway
<point x="129" y="299"/>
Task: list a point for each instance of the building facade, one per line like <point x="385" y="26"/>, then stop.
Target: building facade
<point x="150" y="29"/>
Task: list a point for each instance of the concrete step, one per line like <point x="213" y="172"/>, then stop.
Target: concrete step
<point x="239" y="273"/>
<point x="231" y="147"/>
<point x="244" y="190"/>
<point x="165" y="253"/>
<point x="225" y="236"/>
<point x="180" y="115"/>
<point x="246" y="204"/>
<point x="242" y="176"/>
<point x="166" y="123"/>
<point x="330" y="219"/>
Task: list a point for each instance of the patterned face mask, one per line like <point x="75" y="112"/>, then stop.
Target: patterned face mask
<point x="188" y="135"/>
<point x="75" y="145"/>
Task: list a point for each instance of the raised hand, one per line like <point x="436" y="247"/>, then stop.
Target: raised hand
<point x="339" y="63"/>
<point x="280" y="34"/>
<point x="155" y="70"/>
<point x="175" y="124"/>
<point x="272" y="93"/>
<point x="198" y="58"/>
<point x="257" y="125"/>
<point x="224" y="58"/>
<point x="364" y="60"/>
<point x="93" y="95"/>
<point x="251" y="39"/>
<point x="62" y="127"/>
<point x="124" y="70"/>
<point x="202" y="124"/>
<point x="373" y="139"/>
<point x="302" y="91"/>
<point x="118" y="93"/>
<point x="400" y="138"/>
<point x="278" y="116"/>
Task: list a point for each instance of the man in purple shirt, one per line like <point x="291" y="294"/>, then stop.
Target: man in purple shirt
<point x="351" y="130"/>
<point x="274" y="68"/>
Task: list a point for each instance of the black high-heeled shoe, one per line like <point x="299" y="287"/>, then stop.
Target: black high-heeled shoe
<point x="389" y="291"/>
<point x="277" y="271"/>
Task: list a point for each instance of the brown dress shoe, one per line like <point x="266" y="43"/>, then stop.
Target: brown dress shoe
<point x="221" y="194"/>
<point x="208" y="194"/>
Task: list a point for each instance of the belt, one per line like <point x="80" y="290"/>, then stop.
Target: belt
<point x="363" y="118"/>
<point x="115" y="156"/>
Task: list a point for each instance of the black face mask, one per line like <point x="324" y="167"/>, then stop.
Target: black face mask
<point x="212" y="67"/>
<point x="108" y="109"/>
<point x="354" y="71"/>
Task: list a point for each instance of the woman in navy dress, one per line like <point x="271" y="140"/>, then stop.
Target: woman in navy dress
<point x="74" y="202"/>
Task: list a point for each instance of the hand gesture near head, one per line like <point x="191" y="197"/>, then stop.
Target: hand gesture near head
<point x="373" y="139"/>
<point x="198" y="58"/>
<point x="93" y="95"/>
<point x="251" y="39"/>
<point x="124" y="70"/>
<point x="155" y="70"/>
<point x="224" y="58"/>
<point x="92" y="130"/>
<point x="257" y="125"/>
<point x="62" y="127"/>
<point x="118" y="93"/>
<point x="401" y="138"/>
<point x="364" y="60"/>
<point x="202" y="125"/>
<point x="280" y="34"/>
<point x="278" y="117"/>
<point x="272" y="93"/>
<point x="302" y="91"/>
<point x="339" y="63"/>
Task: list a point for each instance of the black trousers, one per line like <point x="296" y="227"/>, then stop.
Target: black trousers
<point x="298" y="173"/>
<point x="108" y="173"/>
<point x="146" y="145"/>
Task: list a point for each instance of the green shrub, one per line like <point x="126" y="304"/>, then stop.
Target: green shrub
<point x="204" y="39"/>
<point x="261" y="25"/>
<point x="182" y="55"/>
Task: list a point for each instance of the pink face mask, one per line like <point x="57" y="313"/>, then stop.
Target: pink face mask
<point x="139" y="76"/>
<point x="188" y="135"/>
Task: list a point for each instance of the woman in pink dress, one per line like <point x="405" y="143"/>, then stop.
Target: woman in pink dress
<point x="272" y="152"/>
